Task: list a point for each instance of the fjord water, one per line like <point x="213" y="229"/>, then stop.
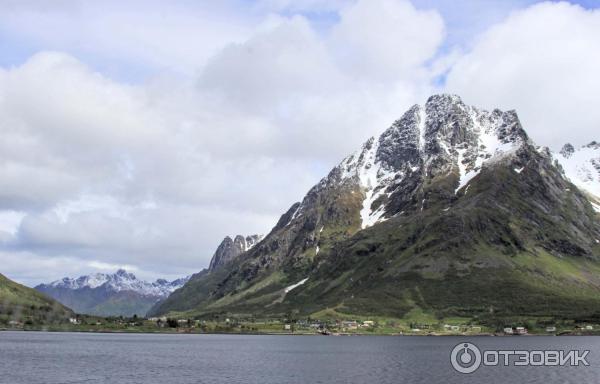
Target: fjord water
<point x="52" y="358"/>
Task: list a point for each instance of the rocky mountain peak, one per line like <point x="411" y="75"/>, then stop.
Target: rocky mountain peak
<point x="443" y="136"/>
<point x="229" y="249"/>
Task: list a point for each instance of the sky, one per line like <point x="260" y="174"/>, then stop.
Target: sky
<point x="138" y="134"/>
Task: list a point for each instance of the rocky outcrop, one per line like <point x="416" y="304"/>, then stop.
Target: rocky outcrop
<point x="230" y="249"/>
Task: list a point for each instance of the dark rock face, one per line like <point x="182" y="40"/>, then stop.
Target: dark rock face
<point x="567" y="150"/>
<point x="449" y="197"/>
<point x="230" y="249"/>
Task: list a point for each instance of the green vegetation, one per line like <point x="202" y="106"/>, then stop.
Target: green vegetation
<point x="21" y="306"/>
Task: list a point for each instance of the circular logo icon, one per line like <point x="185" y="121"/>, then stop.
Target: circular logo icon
<point x="465" y="358"/>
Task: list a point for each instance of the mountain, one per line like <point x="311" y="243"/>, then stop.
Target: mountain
<point x="22" y="304"/>
<point x="230" y="249"/>
<point x="115" y="294"/>
<point x="451" y="211"/>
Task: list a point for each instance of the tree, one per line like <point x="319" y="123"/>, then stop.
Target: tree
<point x="172" y="323"/>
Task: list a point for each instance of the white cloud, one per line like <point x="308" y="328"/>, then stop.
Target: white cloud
<point x="386" y="39"/>
<point x="141" y="174"/>
<point x="138" y="35"/>
<point x="542" y="61"/>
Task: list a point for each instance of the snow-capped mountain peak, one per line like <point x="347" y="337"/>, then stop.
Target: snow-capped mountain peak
<point x="120" y="281"/>
<point x="442" y="136"/>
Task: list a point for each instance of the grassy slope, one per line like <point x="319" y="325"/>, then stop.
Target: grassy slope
<point x="20" y="303"/>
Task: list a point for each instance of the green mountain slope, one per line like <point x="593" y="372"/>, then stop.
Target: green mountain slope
<point x="22" y="304"/>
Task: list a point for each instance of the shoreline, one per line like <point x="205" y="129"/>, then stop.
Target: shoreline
<point x="289" y="333"/>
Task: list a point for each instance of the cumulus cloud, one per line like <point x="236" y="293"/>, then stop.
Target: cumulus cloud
<point x="153" y="175"/>
<point x="386" y="39"/>
<point x="541" y="61"/>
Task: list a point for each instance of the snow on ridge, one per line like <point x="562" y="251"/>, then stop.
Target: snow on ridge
<point x="250" y="242"/>
<point x="373" y="178"/>
<point x="294" y="215"/>
<point x="121" y="281"/>
<point x="294" y="286"/>
<point x="490" y="148"/>
<point x="422" y="118"/>
<point x="582" y="168"/>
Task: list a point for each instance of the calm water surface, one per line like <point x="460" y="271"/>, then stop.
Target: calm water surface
<point x="51" y="358"/>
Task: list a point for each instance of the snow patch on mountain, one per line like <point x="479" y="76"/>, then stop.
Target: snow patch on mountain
<point x="294" y="286"/>
<point x="490" y="146"/>
<point x="582" y="166"/>
<point x="373" y="177"/>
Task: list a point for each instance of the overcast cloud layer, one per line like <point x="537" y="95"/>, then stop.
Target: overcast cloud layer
<point x="139" y="135"/>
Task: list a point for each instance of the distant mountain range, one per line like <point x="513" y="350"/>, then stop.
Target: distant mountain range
<point x="115" y="294"/>
<point x="451" y="211"/>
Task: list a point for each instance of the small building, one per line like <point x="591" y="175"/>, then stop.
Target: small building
<point x="349" y="325"/>
<point x="368" y="323"/>
<point x="521" y="331"/>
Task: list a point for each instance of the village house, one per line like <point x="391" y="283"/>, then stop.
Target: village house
<point x="368" y="323"/>
<point x="349" y="325"/>
<point x="521" y="331"/>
